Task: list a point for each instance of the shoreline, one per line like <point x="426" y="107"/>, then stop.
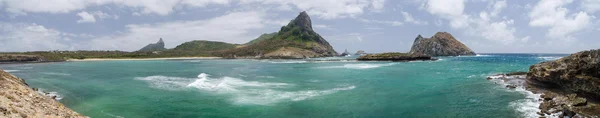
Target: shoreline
<point x="549" y="102"/>
<point x="139" y="59"/>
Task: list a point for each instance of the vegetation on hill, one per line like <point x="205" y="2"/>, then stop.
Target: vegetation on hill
<point x="262" y="37"/>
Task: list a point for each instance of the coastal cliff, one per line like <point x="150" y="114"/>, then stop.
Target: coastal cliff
<point x="578" y="73"/>
<point x="440" y="44"/>
<point x="18" y="100"/>
<point x="568" y="87"/>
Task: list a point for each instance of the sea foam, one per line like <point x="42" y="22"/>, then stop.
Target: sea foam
<point x="360" y="66"/>
<point x="528" y="106"/>
<point x="9" y="71"/>
<point x="241" y="92"/>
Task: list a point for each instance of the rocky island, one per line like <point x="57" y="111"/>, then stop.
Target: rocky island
<point x="440" y="44"/>
<point x="569" y="87"/>
<point x="394" y="56"/>
<point x="18" y="100"/>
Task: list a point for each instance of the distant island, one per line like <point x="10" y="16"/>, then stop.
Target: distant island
<point x="440" y="44"/>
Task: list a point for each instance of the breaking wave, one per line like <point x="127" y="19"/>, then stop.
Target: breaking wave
<point x="528" y="106"/>
<point x="9" y="71"/>
<point x="361" y="66"/>
<point x="241" y="91"/>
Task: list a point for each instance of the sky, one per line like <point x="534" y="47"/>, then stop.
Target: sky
<point x="486" y="26"/>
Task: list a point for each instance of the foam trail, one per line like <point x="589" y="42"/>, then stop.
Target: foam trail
<point x="241" y="91"/>
<point x="361" y="66"/>
<point x="288" y="62"/>
<point x="9" y="71"/>
<point x="55" y="73"/>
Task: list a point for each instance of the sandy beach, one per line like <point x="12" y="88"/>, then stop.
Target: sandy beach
<point x="137" y="59"/>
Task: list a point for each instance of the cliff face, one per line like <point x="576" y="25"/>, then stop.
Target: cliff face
<point x="18" y="100"/>
<point x="440" y="44"/>
<point x="158" y="46"/>
<point x="578" y="73"/>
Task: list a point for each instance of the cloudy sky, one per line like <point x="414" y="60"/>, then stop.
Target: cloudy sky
<point x="527" y="26"/>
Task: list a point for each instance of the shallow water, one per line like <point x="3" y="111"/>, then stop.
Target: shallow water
<point x="322" y="87"/>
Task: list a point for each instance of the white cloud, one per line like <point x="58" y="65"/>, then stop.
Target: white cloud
<point x="488" y="25"/>
<point x="233" y="27"/>
<point x="590" y="6"/>
<point x="326" y="9"/>
<point x="392" y="23"/>
<point x="453" y="14"/>
<point x="321" y="26"/>
<point x="31" y="37"/>
<point x="160" y="7"/>
<point x="552" y="14"/>
<point x="497" y="8"/>
<point x="86" y="17"/>
<point x="102" y="15"/>
<point x="377" y="5"/>
<point x="408" y="18"/>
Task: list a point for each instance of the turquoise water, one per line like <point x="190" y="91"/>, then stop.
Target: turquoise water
<point x="317" y="88"/>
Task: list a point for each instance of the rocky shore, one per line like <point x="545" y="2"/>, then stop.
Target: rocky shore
<point x="18" y="100"/>
<point x="568" y="87"/>
<point x="394" y="57"/>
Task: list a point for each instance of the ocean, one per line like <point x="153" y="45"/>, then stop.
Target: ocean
<point x="314" y="88"/>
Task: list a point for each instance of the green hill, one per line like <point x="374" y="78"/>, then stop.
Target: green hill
<point x="262" y="37"/>
<point x="201" y="45"/>
<point x="295" y="40"/>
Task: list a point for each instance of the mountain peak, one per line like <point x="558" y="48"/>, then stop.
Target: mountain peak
<point x="158" y="46"/>
<point x="160" y="41"/>
<point x="303" y="21"/>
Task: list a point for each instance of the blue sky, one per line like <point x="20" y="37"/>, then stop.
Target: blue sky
<point x="486" y="26"/>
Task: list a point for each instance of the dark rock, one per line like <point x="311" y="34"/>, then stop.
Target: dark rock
<point x="158" y="46"/>
<point x="577" y="73"/>
<point x="441" y="44"/>
<point x="511" y="86"/>
<point x="567" y="113"/>
<point x="394" y="57"/>
<point x="346" y="53"/>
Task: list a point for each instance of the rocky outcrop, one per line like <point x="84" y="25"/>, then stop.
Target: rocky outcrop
<point x="297" y="38"/>
<point x="16" y="58"/>
<point x="18" y="100"/>
<point x="440" y="44"/>
<point x="158" y="46"/>
<point x="394" y="57"/>
<point x="578" y="73"/>
<point x="346" y="53"/>
<point x="553" y="102"/>
<point x="360" y="52"/>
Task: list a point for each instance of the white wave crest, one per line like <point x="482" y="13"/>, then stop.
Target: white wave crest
<point x="528" y="106"/>
<point x="9" y="71"/>
<point x="549" y="58"/>
<point x="241" y="91"/>
<point x="361" y="66"/>
<point x="288" y="62"/>
<point x="56" y="73"/>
